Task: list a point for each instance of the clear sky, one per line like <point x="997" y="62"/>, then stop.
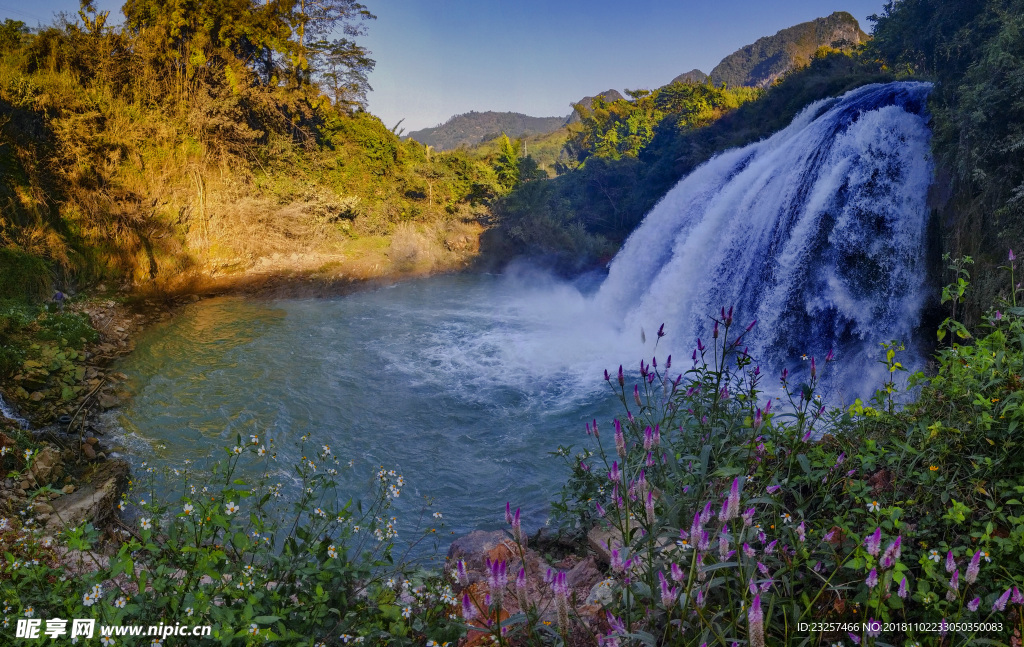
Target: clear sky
<point x="437" y="58"/>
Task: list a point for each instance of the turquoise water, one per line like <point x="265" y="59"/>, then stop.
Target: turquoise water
<point x="463" y="384"/>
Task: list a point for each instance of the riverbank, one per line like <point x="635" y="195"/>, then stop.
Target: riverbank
<point x="62" y="386"/>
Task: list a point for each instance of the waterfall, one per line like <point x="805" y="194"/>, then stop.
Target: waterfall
<point x="817" y="232"/>
<point x="7" y="412"/>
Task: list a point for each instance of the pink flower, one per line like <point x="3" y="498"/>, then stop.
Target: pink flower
<point x="460" y="569"/>
<point x="902" y="592"/>
<point x="1000" y="603"/>
<point x="497" y="575"/>
<point x="872" y="579"/>
<point x="706" y="515"/>
<point x="973" y="604"/>
<point x="874" y="628"/>
<point x="892" y="551"/>
<point x="1018" y="598"/>
<point x="873" y="542"/>
<point x="620" y="440"/>
<point x="755" y="623"/>
<point x="748" y="517"/>
<point x="973" y="568"/>
<point x="677" y="573"/>
<point x="668" y="596"/>
<point x="468" y="610"/>
<point x="614" y="475"/>
<point x="732" y="508"/>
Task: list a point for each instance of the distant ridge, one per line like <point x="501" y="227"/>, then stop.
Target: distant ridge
<point x="768" y="58"/>
<point x="757" y="65"/>
<point x="474" y="128"/>
<point x="693" y="76"/>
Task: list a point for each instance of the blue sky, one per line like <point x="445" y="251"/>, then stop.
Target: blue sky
<point x="437" y="58"/>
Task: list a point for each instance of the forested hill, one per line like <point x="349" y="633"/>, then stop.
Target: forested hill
<point x="473" y="128"/>
<point x="768" y="58"/>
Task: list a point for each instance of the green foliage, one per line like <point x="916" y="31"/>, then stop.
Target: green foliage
<point x="220" y="552"/>
<point x="200" y="137"/>
<point x="622" y="128"/>
<point x="11" y="34"/>
<point x="22" y="275"/>
<point x="722" y="505"/>
<point x="607" y="196"/>
<point x="973" y="50"/>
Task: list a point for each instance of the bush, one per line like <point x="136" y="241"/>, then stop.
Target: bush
<point x="737" y="519"/>
<point x="230" y="555"/>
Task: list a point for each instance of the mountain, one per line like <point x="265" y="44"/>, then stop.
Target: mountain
<point x="586" y="102"/>
<point x="693" y="76"/>
<point x="473" y="128"/>
<point x="761" y="63"/>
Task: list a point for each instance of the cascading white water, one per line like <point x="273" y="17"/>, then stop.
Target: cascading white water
<point x="7" y="412"/>
<point x="818" y="232"/>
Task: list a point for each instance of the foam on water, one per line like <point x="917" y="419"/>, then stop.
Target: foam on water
<point x="817" y="232"/>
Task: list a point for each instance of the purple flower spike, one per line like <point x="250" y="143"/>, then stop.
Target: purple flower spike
<point x="622" y="379"/>
<point x="668" y="595"/>
<point x="508" y="512"/>
<point x="714" y="333"/>
<point x="1018" y="597"/>
<point x="460" y="569"/>
<point x="755" y="623"/>
<point x="620" y="440"/>
<point x="748" y="517"/>
<point x="636" y="395"/>
<point x="607" y="378"/>
<point x="1000" y="603"/>
<point x="873" y="542"/>
<point x="614" y="475"/>
<point x="732" y="504"/>
<point x="973" y="605"/>
<point x="468" y="610"/>
<point x="1012" y="257"/>
<point x="661" y="331"/>
<point x="973" y="567"/>
<point x="677" y="573"/>
<point x="872" y="580"/>
<point x="902" y="591"/>
<point x="950" y="562"/>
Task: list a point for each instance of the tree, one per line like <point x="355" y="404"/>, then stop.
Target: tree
<point x="506" y="166"/>
<point x="11" y="33"/>
<point x="344" y="69"/>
